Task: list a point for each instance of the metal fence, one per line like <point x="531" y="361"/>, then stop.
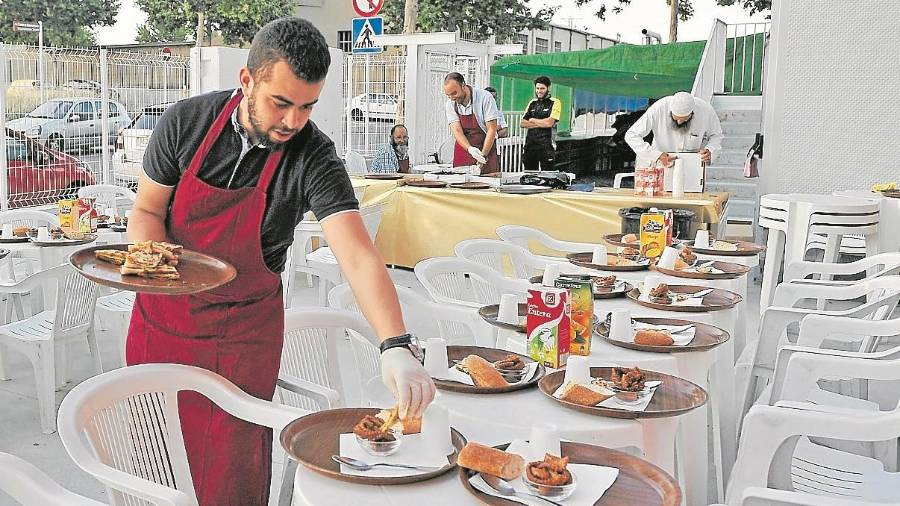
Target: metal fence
<point x="374" y="99"/>
<point x="74" y="117"/>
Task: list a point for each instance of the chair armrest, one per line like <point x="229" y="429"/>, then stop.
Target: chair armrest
<point x="814" y="329"/>
<point x="801" y="269"/>
<point x="147" y="490"/>
<point x="325" y="397"/>
<point x="775" y="497"/>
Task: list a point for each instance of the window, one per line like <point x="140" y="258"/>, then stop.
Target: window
<point x="147" y="120"/>
<point x="541" y="45"/>
<point x="344" y="42"/>
<point x="523" y="39"/>
<point x="84" y="110"/>
<point x="557" y="46"/>
<point x="112" y="109"/>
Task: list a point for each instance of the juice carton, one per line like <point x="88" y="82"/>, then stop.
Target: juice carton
<point x="549" y="326"/>
<point x="656" y="232"/>
<point x="77" y="215"/>
<point x="581" y="296"/>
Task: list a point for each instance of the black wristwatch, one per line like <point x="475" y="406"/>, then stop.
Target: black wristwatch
<point x="408" y="341"/>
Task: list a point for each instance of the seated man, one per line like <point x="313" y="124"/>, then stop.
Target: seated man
<point x="394" y="156"/>
<point x="502" y="128"/>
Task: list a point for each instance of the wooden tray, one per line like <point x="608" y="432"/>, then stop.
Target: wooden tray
<point x="312" y="440"/>
<point x="893" y="194"/>
<point x="584" y="260"/>
<point x="4" y="253"/>
<point x="88" y="238"/>
<point x="602" y="292"/>
<point x="745" y="249"/>
<point x="11" y="240"/>
<point x="674" y="397"/>
<point x="490" y="313"/>
<point x="385" y="176"/>
<point x="455" y="353"/>
<point x="472" y="185"/>
<point x="705" y="336"/>
<point x="199" y="272"/>
<point x="616" y="240"/>
<point x="729" y="271"/>
<point x="717" y="300"/>
<point x="426" y="184"/>
<point x="639" y="481"/>
<point x="523" y="189"/>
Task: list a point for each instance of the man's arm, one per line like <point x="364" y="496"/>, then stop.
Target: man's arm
<point x="457" y="131"/>
<point x="635" y="135"/>
<point x="148" y="215"/>
<point x="491" y="136"/>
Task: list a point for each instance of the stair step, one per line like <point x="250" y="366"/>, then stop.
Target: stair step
<point x="740" y="128"/>
<point x="738" y="189"/>
<point x="747" y="115"/>
<point x="732" y="157"/>
<point x="739" y="142"/>
<point x="724" y="172"/>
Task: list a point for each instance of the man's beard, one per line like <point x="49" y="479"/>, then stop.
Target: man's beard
<point x="259" y="133"/>
<point x="681" y="126"/>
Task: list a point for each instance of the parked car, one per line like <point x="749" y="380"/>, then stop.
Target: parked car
<point x="24" y="95"/>
<point x="39" y="175"/>
<point x="66" y="124"/>
<point x="131" y="142"/>
<point x="374" y="106"/>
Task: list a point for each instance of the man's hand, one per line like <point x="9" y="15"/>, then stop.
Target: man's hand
<point x="705" y="155"/>
<point x="408" y="381"/>
<point x="666" y="159"/>
<point x="476" y="154"/>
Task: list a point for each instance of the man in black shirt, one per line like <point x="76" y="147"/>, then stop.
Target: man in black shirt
<point x="231" y="174"/>
<point x="541" y="116"/>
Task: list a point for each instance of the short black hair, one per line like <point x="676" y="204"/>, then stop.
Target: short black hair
<point x="490" y="89"/>
<point x="543" y="80"/>
<point x="292" y="40"/>
<point x="395" y="127"/>
<point x="455" y="76"/>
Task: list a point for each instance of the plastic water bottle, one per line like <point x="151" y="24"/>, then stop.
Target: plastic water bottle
<point x="678" y="179"/>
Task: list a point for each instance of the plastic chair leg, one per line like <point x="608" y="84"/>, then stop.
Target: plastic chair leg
<point x="3" y="375"/>
<point x="42" y="360"/>
<point x="775" y="245"/>
<point x="95" y="351"/>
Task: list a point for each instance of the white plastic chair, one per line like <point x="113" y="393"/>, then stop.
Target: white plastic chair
<point x="456" y="281"/>
<point x="122" y="428"/>
<point x="617" y="180"/>
<point x="522" y="237"/>
<point x="29" y="486"/>
<point x="356" y="163"/>
<point x="116" y="308"/>
<point x="883" y="264"/>
<point x="108" y="195"/>
<point x="17" y="265"/>
<point x="425" y="318"/>
<point x="44" y="337"/>
<point x="506" y="258"/>
<point x="758" y="496"/>
<point x="445" y="150"/>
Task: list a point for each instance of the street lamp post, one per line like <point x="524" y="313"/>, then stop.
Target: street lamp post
<point x="23" y="26"/>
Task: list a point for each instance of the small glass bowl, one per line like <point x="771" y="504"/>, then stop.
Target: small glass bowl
<point x="551" y="492"/>
<point x="512" y="375"/>
<point x="382" y="448"/>
<point x="629" y="397"/>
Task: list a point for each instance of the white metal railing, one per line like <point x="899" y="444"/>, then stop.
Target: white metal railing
<point x="710" y="76"/>
<point x="374" y="100"/>
<point x="748" y="43"/>
<point x="509" y="149"/>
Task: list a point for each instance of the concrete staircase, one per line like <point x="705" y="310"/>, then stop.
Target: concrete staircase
<point x="741" y="119"/>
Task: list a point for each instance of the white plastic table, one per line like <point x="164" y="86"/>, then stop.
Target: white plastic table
<point x="888" y="239"/>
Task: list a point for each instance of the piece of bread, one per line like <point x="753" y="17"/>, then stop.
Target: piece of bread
<point x="483" y="372"/>
<point x="21" y="231"/>
<point x="484" y="459"/>
<point x="630" y="238"/>
<point x="584" y="395"/>
<point x="410" y="425"/>
<point x="653" y="338"/>
<point x="681" y="265"/>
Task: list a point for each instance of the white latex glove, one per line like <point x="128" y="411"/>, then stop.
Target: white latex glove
<point x="407" y="380"/>
<point x="476" y="154"/>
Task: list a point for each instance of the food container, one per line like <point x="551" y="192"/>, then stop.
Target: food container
<point x="551" y="492"/>
<point x="383" y="448"/>
<point x="581" y="297"/>
<point x="549" y="326"/>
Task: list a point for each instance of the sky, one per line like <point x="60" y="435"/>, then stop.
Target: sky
<point x="652" y="14"/>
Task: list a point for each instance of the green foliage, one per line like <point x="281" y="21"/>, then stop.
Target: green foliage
<point x="66" y="23"/>
<point x="236" y="20"/>
<point x="501" y="18"/>
<point x="685" y="7"/>
<point x="753" y="6"/>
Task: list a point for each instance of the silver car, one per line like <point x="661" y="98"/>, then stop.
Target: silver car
<point x="67" y="124"/>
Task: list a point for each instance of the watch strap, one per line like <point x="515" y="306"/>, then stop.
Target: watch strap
<point x="402" y="341"/>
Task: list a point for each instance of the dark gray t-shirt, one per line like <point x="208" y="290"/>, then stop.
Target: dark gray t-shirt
<point x="310" y="176"/>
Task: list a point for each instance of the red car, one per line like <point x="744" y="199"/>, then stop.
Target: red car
<point x="39" y="175"/>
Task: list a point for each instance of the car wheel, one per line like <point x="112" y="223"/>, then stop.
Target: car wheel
<point x="356" y="114"/>
<point x="56" y="143"/>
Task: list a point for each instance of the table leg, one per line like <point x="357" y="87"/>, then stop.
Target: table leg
<point x="659" y="442"/>
<point x="692" y="438"/>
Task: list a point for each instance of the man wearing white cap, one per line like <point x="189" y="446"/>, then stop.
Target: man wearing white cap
<point x="680" y="123"/>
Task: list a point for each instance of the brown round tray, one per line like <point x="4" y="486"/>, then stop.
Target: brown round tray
<point x="717" y="300"/>
<point x="88" y="238"/>
<point x="426" y="184"/>
<point x="616" y="240"/>
<point x="602" y="292"/>
<point x="584" y="260"/>
<point x="385" y="176"/>
<point x="199" y="272"/>
<point x="674" y="397"/>
<point x="705" y="336"/>
<point x="729" y="271"/>
<point x="638" y="482"/>
<point x="11" y="240"/>
<point x="894" y="194"/>
<point x="456" y="353"/>
<point x="470" y="186"/>
<point x="312" y="440"/>
<point x="490" y="313"/>
<point x="745" y="249"/>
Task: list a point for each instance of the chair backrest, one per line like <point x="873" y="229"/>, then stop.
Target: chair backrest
<point x="108" y="195"/>
<point x="310" y="353"/>
<point x="758" y="496"/>
<point x="123" y="428"/>
<point x="371" y="216"/>
<point x="29" y="218"/>
<point x="617" y="179"/>
<point x="356" y="163"/>
<point x="445" y="150"/>
<point x="76" y="300"/>
<point x="523" y="236"/>
<point x="29" y="486"/>
<point x="457" y="281"/>
<point x="505" y="258"/>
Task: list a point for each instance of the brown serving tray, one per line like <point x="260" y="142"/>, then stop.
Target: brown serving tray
<point x="584" y="260"/>
<point x="426" y="184"/>
<point x="393" y="176"/>
<point x="729" y="270"/>
<point x="472" y="185"/>
<point x="744" y="249"/>
<point x="717" y="300"/>
<point x="705" y="336"/>
<point x="603" y="292"/>
<point x="456" y="353"/>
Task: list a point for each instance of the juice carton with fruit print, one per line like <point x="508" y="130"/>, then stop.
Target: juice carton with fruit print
<point x="656" y="232"/>
<point x="549" y="326"/>
<point x="581" y="296"/>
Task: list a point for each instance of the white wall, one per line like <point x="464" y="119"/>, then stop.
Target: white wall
<point x="831" y="109"/>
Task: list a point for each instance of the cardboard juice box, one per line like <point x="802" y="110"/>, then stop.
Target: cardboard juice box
<point x="581" y="296"/>
<point x="77" y="215"/>
<point x="549" y="326"/>
<point x="656" y="232"/>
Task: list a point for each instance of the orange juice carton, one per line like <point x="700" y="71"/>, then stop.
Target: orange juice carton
<point x="581" y="297"/>
<point x="656" y="232"/>
<point x="549" y="326"/>
<point x="77" y="215"/>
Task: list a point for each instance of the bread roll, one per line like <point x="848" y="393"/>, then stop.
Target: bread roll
<point x="410" y="425"/>
<point x="653" y="338"/>
<point x="484" y="459"/>
<point x="630" y="238"/>
<point x="681" y="265"/>
<point x="483" y="372"/>
<point x="585" y="395"/>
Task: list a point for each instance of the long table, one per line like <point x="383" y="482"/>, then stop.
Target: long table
<point x="420" y="223"/>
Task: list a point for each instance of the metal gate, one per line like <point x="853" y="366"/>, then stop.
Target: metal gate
<point x="374" y="100"/>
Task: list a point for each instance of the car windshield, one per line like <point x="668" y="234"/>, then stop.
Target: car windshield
<point x="16" y="150"/>
<point x="147" y="120"/>
<point x="55" y="109"/>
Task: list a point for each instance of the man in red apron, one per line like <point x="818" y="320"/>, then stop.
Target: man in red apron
<point x="472" y="115"/>
<point x="231" y="174"/>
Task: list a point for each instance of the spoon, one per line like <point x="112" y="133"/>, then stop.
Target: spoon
<point x="503" y="486"/>
<point x="701" y="293"/>
<point x="365" y="466"/>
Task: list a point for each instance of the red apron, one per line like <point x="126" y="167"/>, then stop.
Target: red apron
<point x="476" y="136"/>
<point x="235" y="330"/>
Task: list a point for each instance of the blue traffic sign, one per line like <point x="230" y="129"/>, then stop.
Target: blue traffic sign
<point x="364" y="32"/>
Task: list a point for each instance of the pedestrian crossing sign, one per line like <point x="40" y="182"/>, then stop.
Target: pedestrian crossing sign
<point x="364" y="32"/>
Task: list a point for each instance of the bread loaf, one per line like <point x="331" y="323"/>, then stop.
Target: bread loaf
<point x="484" y="459"/>
<point x="585" y="395"/>
<point x="483" y="372"/>
<point x="410" y="425"/>
<point x="653" y="338"/>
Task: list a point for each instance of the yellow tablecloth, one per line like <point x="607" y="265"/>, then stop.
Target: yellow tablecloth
<point x="420" y="223"/>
